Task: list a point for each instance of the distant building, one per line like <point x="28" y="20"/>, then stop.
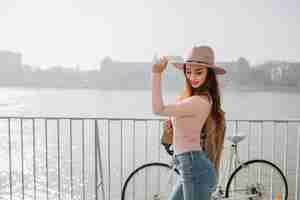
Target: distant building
<point x="10" y="68"/>
<point x="10" y="61"/>
<point x="277" y="73"/>
<point x="282" y="72"/>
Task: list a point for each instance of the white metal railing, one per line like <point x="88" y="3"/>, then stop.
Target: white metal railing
<point x="90" y="158"/>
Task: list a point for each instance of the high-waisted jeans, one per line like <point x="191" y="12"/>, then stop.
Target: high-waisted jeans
<point x="198" y="178"/>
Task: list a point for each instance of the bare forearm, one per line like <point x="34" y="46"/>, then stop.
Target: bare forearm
<point x="157" y="101"/>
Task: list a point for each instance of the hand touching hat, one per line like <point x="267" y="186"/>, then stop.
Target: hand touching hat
<point x="160" y="66"/>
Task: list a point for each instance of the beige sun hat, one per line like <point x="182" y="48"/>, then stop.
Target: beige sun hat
<point x="199" y="55"/>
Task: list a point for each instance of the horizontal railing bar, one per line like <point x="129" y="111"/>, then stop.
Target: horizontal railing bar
<point x="81" y="118"/>
<point x="140" y="119"/>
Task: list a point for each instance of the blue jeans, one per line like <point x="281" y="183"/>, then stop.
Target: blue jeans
<point x="198" y="178"/>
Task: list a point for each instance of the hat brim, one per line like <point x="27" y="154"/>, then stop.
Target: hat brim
<point x="218" y="70"/>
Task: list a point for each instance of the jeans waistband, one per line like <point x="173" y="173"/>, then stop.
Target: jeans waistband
<point x="191" y="154"/>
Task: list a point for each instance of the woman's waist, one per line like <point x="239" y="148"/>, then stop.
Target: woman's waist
<point x="191" y="140"/>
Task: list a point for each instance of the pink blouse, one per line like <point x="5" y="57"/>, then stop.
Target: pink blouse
<point x="188" y="117"/>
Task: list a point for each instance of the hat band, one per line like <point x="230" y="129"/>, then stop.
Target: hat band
<point x="195" y="61"/>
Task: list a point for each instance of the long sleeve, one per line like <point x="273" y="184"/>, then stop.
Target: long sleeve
<point x="187" y="107"/>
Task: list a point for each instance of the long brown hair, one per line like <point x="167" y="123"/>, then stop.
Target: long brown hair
<point x="214" y="127"/>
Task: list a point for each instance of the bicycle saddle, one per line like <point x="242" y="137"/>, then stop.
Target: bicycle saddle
<point x="236" y="138"/>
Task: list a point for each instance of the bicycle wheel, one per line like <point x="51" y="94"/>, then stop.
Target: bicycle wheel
<point x="257" y="180"/>
<point x="152" y="181"/>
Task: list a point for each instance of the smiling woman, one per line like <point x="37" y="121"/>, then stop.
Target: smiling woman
<point x="198" y="112"/>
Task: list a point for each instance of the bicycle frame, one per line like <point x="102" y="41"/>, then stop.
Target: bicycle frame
<point x="234" y="160"/>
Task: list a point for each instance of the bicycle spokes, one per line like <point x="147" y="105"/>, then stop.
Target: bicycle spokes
<point x="257" y="180"/>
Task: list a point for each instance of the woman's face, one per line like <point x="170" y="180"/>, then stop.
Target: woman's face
<point x="196" y="74"/>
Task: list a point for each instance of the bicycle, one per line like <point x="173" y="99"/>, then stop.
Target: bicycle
<point x="252" y="179"/>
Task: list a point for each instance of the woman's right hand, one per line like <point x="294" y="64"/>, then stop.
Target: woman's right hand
<point x="168" y="124"/>
<point x="160" y="65"/>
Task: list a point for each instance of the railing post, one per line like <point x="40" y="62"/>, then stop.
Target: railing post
<point x="22" y="157"/>
<point x="47" y="170"/>
<point x="96" y="159"/>
<point x="34" y="157"/>
<point x="58" y="157"/>
<point x="121" y="153"/>
<point x="83" y="159"/>
<point x="71" y="157"/>
<point x="98" y="164"/>
<point x="9" y="157"/>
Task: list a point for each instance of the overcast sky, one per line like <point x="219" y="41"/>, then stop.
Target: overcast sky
<point x="70" y="32"/>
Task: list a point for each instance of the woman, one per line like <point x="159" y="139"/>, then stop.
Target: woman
<point x="195" y="110"/>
